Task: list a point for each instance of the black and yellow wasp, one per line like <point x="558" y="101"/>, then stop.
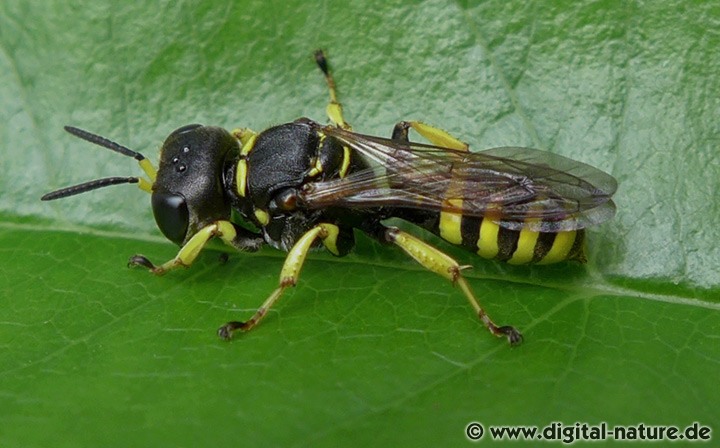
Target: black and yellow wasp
<point x="302" y="183"/>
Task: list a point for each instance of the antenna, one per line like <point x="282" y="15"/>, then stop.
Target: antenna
<point x="107" y="181"/>
<point x="104" y="142"/>
<point x="88" y="186"/>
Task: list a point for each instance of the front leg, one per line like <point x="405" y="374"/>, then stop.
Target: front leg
<point x="225" y="230"/>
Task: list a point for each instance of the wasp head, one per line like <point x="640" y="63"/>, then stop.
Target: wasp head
<point x="188" y="192"/>
<point x="187" y="189"/>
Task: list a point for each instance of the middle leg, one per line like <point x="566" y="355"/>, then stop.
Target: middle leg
<point x="334" y="108"/>
<point x="330" y="235"/>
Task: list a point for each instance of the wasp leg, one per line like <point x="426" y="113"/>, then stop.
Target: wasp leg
<point x="290" y="273"/>
<point x="244" y="135"/>
<point x="440" y="263"/>
<point x="247" y="138"/>
<point x="227" y="231"/>
<point x="434" y="135"/>
<point x="334" y="108"/>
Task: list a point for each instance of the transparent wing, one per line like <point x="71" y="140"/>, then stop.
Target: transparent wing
<point x="519" y="188"/>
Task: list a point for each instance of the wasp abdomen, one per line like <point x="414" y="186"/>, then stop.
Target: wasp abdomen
<point x="492" y="241"/>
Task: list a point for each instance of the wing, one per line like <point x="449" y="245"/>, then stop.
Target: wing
<point x="519" y="188"/>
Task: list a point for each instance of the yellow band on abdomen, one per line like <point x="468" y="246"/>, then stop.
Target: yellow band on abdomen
<point x="560" y="249"/>
<point x="488" y="241"/>
<point x="525" y="247"/>
<point x="450" y="223"/>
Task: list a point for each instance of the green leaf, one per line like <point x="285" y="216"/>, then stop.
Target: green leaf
<point x="370" y="347"/>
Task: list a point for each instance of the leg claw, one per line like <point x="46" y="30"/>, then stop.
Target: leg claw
<point x="226" y="331"/>
<point x="140" y="260"/>
<point x="514" y="337"/>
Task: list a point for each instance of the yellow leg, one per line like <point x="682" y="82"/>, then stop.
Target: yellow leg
<point x="244" y="135"/>
<point x="334" y="108"/>
<point x="247" y="138"/>
<point x="190" y="250"/>
<point x="434" y="135"/>
<point x="440" y="263"/>
<point x="288" y="276"/>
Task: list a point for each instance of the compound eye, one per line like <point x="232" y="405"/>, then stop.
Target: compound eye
<point x="171" y="215"/>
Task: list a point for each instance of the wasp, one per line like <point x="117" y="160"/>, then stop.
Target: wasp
<point x="303" y="184"/>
